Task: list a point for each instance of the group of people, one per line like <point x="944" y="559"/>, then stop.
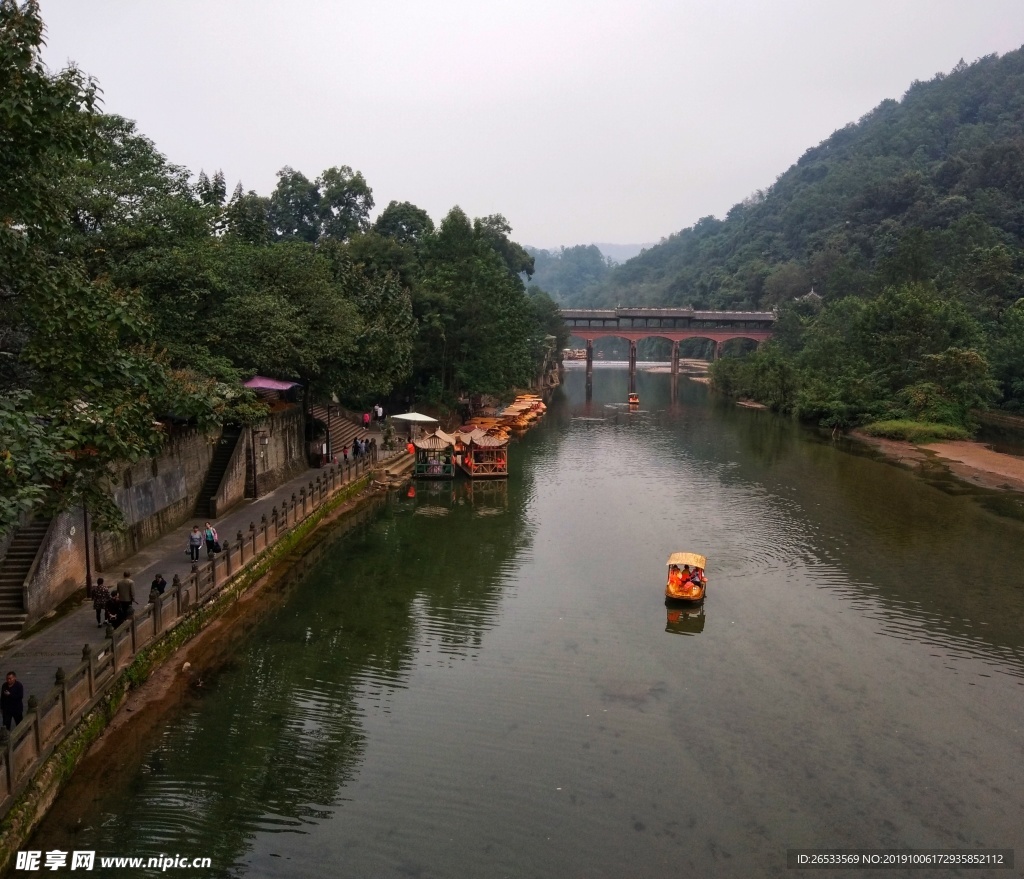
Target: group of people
<point x="197" y="539"/>
<point x="377" y="415"/>
<point x="359" y="447"/>
<point x="678" y="578"/>
<point x="113" y="606"/>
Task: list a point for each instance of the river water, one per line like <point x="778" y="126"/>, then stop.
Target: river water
<point x="483" y="681"/>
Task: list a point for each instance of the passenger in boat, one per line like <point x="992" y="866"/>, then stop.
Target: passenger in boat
<point x="686" y="576"/>
<point x="675" y="577"/>
<point x="698" y="576"/>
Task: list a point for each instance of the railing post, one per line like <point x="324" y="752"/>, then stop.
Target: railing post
<point x="89" y="672"/>
<point x="252" y="537"/>
<point x="241" y="549"/>
<point x="58" y="681"/>
<point x="5" y="743"/>
<point x="33" y="708"/>
<point x="273" y="518"/>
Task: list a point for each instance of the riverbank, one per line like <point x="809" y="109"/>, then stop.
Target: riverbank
<point x="971" y="461"/>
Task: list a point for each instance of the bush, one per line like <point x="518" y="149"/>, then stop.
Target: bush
<point x="915" y="431"/>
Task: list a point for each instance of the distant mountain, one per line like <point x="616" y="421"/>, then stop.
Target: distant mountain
<point x="621" y="252"/>
<point x="929" y="187"/>
<point x="569" y="273"/>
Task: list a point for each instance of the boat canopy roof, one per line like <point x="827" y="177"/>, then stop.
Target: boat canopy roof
<point x="436" y="440"/>
<point x="687" y="558"/>
<point x="481" y="439"/>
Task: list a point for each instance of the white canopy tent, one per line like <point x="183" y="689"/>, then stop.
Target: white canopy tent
<point x="415" y="418"/>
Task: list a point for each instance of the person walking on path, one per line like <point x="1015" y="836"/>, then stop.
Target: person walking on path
<point x="212" y="541"/>
<point x="366" y="421"/>
<point x="100" y="597"/>
<point x="12" y="701"/>
<point x="379" y="412"/>
<point x="126" y="594"/>
<point x="195" y="540"/>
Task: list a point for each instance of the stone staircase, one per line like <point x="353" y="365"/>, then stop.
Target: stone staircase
<point x="14" y="569"/>
<point x="226" y="445"/>
<point x="343" y="429"/>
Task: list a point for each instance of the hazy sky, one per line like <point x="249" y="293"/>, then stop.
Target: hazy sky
<point x="579" y="120"/>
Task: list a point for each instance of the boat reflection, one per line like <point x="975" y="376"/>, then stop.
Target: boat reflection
<point x="429" y="497"/>
<point x="685" y="620"/>
<point x="486" y="497"/>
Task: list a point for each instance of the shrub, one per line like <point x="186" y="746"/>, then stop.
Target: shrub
<point x="915" y="431"/>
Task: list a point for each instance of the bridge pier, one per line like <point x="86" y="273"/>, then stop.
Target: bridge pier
<point x="632" y="365"/>
<point x="675" y="358"/>
<point x="590" y="358"/>
<point x="717" y="355"/>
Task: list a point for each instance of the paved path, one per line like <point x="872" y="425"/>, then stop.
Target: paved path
<point x="36" y="658"/>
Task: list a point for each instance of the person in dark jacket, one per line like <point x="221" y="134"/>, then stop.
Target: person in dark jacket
<point x="100" y="598"/>
<point x="12" y="701"/>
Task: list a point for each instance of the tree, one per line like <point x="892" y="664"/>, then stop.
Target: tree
<point x="477" y="322"/>
<point x="86" y="385"/>
<point x="127" y="198"/>
<point x="247" y="217"/>
<point x="294" y="211"/>
<point x="404" y="222"/>
<point x="345" y="203"/>
<point x="212" y="192"/>
<point x="493" y="231"/>
<point x="285" y="314"/>
<point x="1008" y="357"/>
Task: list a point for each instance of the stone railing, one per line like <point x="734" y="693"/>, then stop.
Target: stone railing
<point x="49" y="720"/>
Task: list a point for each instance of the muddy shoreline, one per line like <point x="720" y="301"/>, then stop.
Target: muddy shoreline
<point x="970" y="461"/>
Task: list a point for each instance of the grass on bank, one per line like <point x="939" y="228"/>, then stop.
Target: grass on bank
<point x="915" y="431"/>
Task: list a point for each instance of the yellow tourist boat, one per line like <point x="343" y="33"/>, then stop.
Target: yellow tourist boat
<point x="686" y="581"/>
<point x="634" y="399"/>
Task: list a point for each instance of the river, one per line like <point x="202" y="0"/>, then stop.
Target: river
<point x="483" y="681"/>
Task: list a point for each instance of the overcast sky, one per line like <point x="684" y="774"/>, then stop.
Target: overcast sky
<point x="579" y="120"/>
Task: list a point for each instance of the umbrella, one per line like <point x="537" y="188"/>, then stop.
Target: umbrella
<point x="415" y="417"/>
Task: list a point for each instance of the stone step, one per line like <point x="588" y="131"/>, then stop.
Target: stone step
<point x="12" y="624"/>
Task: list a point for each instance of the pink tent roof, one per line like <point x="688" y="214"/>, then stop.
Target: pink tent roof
<point x="269" y="384"/>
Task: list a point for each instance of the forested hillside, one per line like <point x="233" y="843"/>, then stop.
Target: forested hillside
<point x="910" y="225"/>
<point x="946" y="164"/>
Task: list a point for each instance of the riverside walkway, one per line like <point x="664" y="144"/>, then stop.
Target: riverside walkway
<point x="55" y="644"/>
